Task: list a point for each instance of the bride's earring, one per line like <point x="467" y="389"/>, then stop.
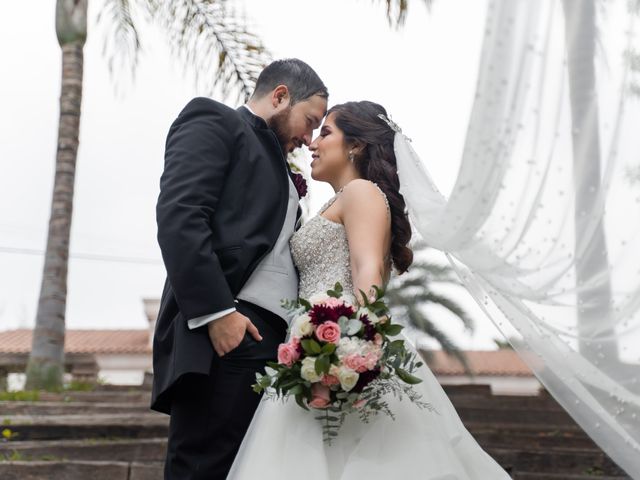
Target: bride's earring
<point x="351" y="156"/>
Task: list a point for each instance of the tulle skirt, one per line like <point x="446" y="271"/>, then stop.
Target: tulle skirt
<point x="285" y="442"/>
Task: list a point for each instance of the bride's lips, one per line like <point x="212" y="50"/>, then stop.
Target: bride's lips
<point x="315" y="157"/>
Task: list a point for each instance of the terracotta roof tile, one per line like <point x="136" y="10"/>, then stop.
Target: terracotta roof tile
<point x="82" y="341"/>
<point x="483" y="362"/>
<point x="501" y="363"/>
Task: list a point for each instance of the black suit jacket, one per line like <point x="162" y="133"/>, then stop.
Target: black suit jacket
<point x="222" y="203"/>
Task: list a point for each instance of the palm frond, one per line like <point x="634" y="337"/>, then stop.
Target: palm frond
<point x="122" y="41"/>
<point x="453" y="307"/>
<point x="436" y="272"/>
<point x="632" y="56"/>
<point x="397" y="11"/>
<point x="212" y="40"/>
<point x="418" y="319"/>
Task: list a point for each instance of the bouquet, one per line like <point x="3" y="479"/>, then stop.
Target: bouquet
<point x="340" y="359"/>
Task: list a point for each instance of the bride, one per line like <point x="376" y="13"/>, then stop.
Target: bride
<point x="356" y="238"/>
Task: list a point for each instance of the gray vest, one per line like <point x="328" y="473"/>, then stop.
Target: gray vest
<point x="275" y="278"/>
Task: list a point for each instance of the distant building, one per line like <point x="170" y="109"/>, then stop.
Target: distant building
<point x="115" y="356"/>
<point x="503" y="369"/>
<point x="124" y="356"/>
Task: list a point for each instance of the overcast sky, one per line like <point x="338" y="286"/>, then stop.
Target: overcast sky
<point x="423" y="74"/>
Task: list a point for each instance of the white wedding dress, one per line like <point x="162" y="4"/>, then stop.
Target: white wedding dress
<point x="285" y="442"/>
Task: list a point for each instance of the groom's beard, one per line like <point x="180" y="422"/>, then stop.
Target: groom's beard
<point x="279" y="123"/>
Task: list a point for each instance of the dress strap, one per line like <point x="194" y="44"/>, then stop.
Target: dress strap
<point x="329" y="202"/>
<point x="384" y="195"/>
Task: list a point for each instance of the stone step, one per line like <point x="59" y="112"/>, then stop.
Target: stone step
<point x="64" y="408"/>
<point x="506" y="402"/>
<point x="136" y="396"/>
<point x="98" y="449"/>
<point x="51" y="427"/>
<point x="482" y="390"/>
<point x="556" y="461"/>
<point x="59" y="408"/>
<point x="534" y="440"/>
<point x="528" y="417"/>
<point x="564" y="476"/>
<point x="79" y="470"/>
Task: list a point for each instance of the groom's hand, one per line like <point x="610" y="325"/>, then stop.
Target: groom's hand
<point x="227" y="332"/>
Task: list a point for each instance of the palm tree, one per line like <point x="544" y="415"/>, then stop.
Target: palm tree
<point x="202" y="33"/>
<point x="409" y="294"/>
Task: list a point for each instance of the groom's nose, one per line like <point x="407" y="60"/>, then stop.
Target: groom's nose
<point x="306" y="139"/>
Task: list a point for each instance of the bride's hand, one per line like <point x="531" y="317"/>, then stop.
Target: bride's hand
<point x="227" y="332"/>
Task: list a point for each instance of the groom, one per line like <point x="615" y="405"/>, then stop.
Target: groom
<point x="226" y="210"/>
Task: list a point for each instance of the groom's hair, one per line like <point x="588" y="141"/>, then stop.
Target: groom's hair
<point x="301" y="80"/>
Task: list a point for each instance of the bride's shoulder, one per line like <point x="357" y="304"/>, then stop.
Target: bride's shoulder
<point x="364" y="193"/>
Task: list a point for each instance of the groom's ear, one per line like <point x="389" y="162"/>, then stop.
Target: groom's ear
<point x="280" y="97"/>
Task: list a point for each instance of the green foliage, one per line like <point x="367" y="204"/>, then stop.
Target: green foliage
<point x="211" y="39"/>
<point x="20" y="396"/>
<point x="77" y="386"/>
<point x="408" y="294"/>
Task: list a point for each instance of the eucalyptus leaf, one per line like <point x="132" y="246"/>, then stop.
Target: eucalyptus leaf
<point x="407" y="377"/>
<point x="329" y="348"/>
<point x="311" y="346"/>
<point x="322" y="365"/>
<point x="393" y="329"/>
<point x="353" y="326"/>
<point x="299" y="401"/>
<point x="304" y="303"/>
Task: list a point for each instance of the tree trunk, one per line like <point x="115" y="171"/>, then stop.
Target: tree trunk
<point x="46" y="361"/>
<point x="581" y="35"/>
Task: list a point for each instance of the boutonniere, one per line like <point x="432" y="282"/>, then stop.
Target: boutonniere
<point x="300" y="183"/>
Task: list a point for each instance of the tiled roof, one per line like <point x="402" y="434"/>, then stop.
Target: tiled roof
<point x="82" y="341"/>
<point x="503" y="363"/>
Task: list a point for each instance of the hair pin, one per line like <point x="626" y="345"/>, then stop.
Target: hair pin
<point x="393" y="125"/>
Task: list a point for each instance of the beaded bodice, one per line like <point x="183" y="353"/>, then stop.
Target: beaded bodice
<point x="320" y="250"/>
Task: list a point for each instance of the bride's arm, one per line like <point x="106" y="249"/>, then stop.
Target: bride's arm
<point x="367" y="224"/>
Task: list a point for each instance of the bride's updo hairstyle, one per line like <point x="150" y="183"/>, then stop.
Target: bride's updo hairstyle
<point x="376" y="161"/>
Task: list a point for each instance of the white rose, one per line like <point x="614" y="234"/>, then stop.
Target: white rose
<point x="308" y="370"/>
<point x="302" y="326"/>
<point x="348" y="378"/>
<point x="318" y="298"/>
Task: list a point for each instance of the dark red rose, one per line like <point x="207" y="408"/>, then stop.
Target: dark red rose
<point x="344" y="310"/>
<point x="323" y="313"/>
<point x="365" y="379"/>
<point x="300" y="183"/>
<point x="369" y="328"/>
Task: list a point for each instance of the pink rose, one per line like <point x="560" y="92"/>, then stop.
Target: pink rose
<point x="354" y="362"/>
<point x="328" y="332"/>
<point x="377" y="339"/>
<point x="287" y="354"/>
<point x="333" y="302"/>
<point x="371" y="359"/>
<point x="329" y="380"/>
<point x="321" y="396"/>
